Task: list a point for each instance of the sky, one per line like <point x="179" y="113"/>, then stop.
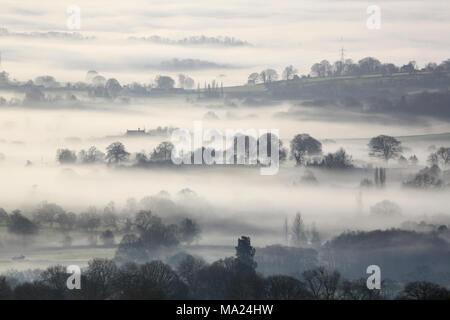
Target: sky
<point x="281" y="32"/>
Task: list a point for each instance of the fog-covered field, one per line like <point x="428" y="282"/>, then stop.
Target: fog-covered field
<point x="353" y="97"/>
<point x="231" y="201"/>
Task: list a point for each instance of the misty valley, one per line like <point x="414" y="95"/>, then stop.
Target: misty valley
<point x="179" y="164"/>
<point x="86" y="188"/>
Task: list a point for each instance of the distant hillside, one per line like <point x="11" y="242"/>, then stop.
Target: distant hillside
<point x="357" y="86"/>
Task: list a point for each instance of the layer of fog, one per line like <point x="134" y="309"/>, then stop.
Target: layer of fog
<point x="234" y="201"/>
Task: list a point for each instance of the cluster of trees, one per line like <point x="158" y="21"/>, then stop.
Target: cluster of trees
<point x="265" y="76"/>
<point x="53" y="216"/>
<point x="307" y="151"/>
<point x="19" y="224"/>
<point x="149" y="236"/>
<point x="337" y="160"/>
<point x="432" y="176"/>
<point x="115" y="153"/>
<point x="192" y="278"/>
<point x="427" y="178"/>
<point x="96" y="85"/>
<point x="111" y="88"/>
<point x="144" y="231"/>
<point x="370" y="66"/>
<point x="365" y="66"/>
<point x="304" y="149"/>
<point x="440" y="158"/>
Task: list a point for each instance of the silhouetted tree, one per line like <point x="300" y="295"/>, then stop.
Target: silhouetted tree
<point x="21" y="225"/>
<point x="47" y="213"/>
<point x="113" y="88"/>
<point x="92" y="155"/>
<point x="426" y="178"/>
<point x="188" y="267"/>
<point x="303" y="145"/>
<point x="280" y="287"/>
<point x="357" y="290"/>
<point x="100" y="275"/>
<point x="253" y="78"/>
<point x="55" y="278"/>
<point x="385" y="147"/>
<point x="369" y="65"/>
<point x="289" y="72"/>
<point x="268" y="75"/>
<point x="337" y="160"/>
<point x="116" y="153"/>
<point x="245" y="252"/>
<point x="66" y="156"/>
<point x="422" y="290"/>
<point x="165" y="82"/>
<point x="440" y="158"/>
<point x="162" y="152"/>
<point x="6" y="292"/>
<point x="157" y="275"/>
<point x="322" y="283"/>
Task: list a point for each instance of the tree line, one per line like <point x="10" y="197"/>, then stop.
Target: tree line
<point x="190" y="277"/>
<point x="347" y="67"/>
<point x="105" y="226"/>
<point x="304" y="150"/>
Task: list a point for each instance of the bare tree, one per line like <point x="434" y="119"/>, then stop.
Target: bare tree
<point x="322" y="283"/>
<point x="253" y="78"/>
<point x="440" y="158"/>
<point x="268" y="75"/>
<point x="289" y="72"/>
<point x="116" y="153"/>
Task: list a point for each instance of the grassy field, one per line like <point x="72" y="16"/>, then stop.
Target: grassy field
<point x="42" y="258"/>
<point x="306" y="82"/>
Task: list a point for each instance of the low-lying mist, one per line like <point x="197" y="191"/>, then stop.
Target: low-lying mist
<point x="234" y="201"/>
